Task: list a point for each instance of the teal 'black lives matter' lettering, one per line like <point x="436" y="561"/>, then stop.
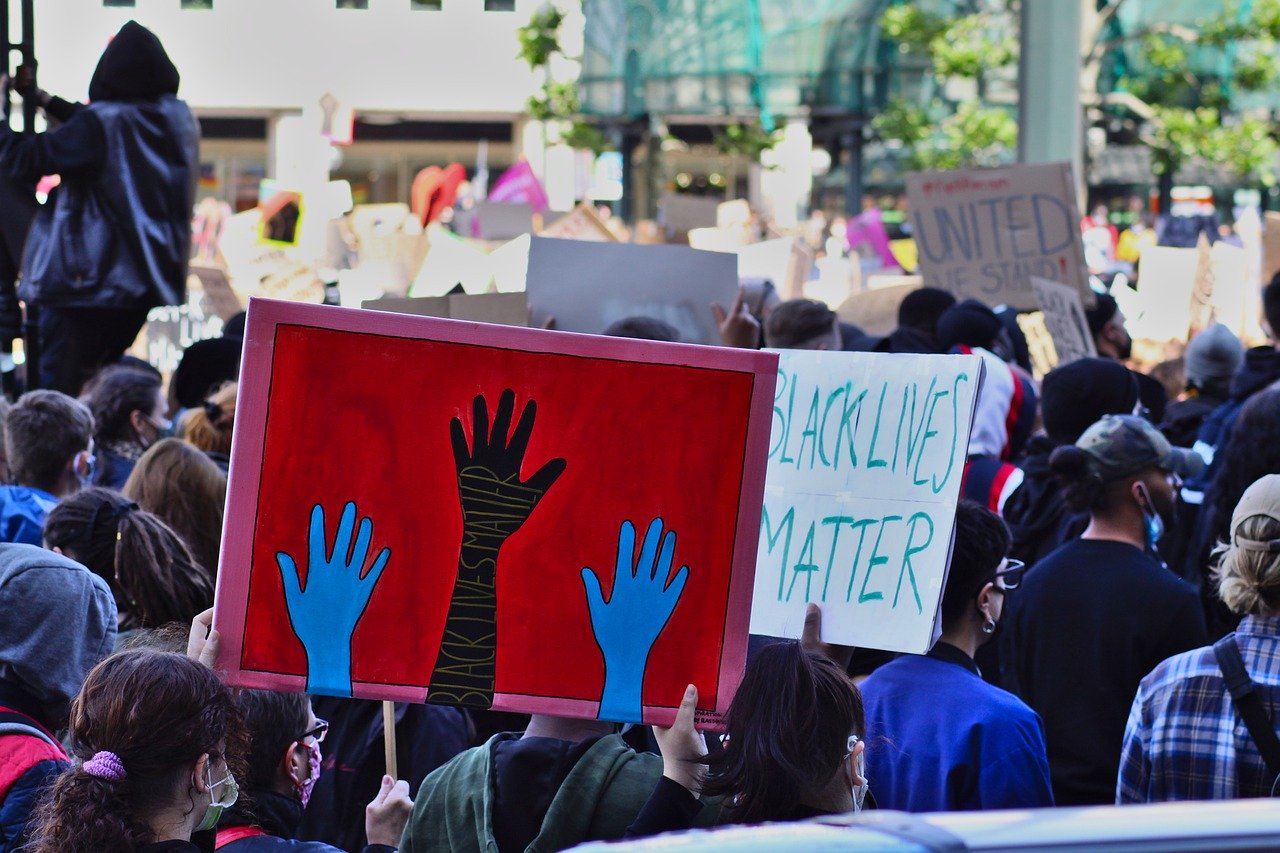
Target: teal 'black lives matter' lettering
<point x="871" y="572"/>
<point x="892" y="437"/>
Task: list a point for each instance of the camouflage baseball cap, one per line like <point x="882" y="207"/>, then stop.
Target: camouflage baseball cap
<point x="1121" y="445"/>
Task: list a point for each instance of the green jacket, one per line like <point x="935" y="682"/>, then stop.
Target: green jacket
<point x="599" y="799"/>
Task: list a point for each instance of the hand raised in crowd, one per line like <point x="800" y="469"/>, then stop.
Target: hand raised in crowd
<point x="811" y="638"/>
<point x="204" y="641"/>
<point x="386" y="815"/>
<point x="683" y="746"/>
<point x="737" y="327"/>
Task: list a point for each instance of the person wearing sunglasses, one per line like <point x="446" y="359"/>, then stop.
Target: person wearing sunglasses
<point x="939" y="738"/>
<point x="284" y="765"/>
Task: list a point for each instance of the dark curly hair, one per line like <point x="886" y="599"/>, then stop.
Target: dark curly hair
<point x="158" y="712"/>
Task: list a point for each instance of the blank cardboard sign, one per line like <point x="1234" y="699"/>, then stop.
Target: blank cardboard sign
<point x="505" y="309"/>
<point x="585" y="286"/>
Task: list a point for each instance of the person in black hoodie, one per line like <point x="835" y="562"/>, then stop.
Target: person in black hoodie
<point x="114" y="240"/>
<point x="1072" y="398"/>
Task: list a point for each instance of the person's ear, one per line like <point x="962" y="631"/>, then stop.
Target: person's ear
<point x="854" y="777"/>
<point x="294" y="769"/>
<point x="1140" y="496"/>
<point x="200" y="774"/>
<point x="984" y="600"/>
<point x="137" y="419"/>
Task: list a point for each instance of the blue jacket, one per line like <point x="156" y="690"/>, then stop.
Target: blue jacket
<point x="939" y="738"/>
<point x="22" y="513"/>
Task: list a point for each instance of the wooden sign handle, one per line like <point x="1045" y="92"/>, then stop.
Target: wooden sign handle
<point x="389" y="737"/>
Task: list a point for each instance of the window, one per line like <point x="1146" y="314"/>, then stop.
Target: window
<point x="426" y="5"/>
<point x="122" y="3"/>
<point x="353" y="4"/>
<point x="499" y="5"/>
<point x="196" y="4"/>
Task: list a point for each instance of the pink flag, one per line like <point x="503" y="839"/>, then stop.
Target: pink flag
<point x="868" y="228"/>
<point x="520" y="185"/>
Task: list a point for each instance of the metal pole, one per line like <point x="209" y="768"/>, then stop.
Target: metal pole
<point x="851" y="141"/>
<point x="31" y="326"/>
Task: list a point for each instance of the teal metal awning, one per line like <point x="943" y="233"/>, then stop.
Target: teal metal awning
<point x="741" y="58"/>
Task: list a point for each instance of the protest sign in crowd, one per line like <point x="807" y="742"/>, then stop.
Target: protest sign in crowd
<point x="637" y="539"/>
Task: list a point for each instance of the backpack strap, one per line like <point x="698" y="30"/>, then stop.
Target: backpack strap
<point x="1244" y="694"/>
<point x="15" y="723"/>
<point x="235" y="833"/>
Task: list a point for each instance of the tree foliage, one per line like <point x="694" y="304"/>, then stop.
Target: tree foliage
<point x="1186" y="81"/>
<point x="746" y="140"/>
<point x="557" y="102"/>
<point x="938" y="132"/>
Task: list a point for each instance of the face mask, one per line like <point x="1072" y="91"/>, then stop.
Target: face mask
<point x="90" y="468"/>
<point x="306" y="786"/>
<point x="1154" y="522"/>
<point x="230" y="793"/>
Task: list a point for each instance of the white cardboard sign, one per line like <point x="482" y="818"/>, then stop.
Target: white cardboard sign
<point x="1064" y="317"/>
<point x="866" y="456"/>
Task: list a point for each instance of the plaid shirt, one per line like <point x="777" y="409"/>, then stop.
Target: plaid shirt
<point x="1185" y="740"/>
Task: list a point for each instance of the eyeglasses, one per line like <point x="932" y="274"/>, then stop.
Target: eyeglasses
<point x="317" y="734"/>
<point x="1010" y="574"/>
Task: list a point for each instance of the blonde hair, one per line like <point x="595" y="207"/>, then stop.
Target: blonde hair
<point x="1249" y="580"/>
<point x="208" y="427"/>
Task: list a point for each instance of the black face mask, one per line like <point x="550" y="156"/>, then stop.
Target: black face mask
<point x="1126" y="349"/>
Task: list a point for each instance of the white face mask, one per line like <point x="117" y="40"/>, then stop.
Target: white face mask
<point x="230" y="793"/>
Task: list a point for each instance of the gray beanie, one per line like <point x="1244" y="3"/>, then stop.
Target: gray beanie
<point x="1213" y="355"/>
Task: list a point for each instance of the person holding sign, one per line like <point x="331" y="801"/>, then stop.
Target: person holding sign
<point x="283" y="768"/>
<point x="793" y="749"/>
<point x="1099" y="613"/>
<point x="942" y="738"/>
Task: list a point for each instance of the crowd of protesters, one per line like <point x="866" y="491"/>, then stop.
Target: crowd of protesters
<point x="1100" y="554"/>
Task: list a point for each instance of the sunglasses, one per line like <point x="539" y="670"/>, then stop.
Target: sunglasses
<point x="1010" y="574"/>
<point x="317" y="734"/>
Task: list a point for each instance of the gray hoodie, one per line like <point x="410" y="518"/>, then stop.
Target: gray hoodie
<point x="57" y="620"/>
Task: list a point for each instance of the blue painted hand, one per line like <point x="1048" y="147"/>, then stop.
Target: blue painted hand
<point x="325" y="614"/>
<point x="628" y="624"/>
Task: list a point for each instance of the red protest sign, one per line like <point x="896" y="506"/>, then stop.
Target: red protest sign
<point x="492" y="517"/>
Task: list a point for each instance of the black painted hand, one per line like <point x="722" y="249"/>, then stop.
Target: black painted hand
<point x="495" y="502"/>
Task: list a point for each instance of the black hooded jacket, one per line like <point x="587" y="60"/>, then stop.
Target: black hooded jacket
<point x="117" y="231"/>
